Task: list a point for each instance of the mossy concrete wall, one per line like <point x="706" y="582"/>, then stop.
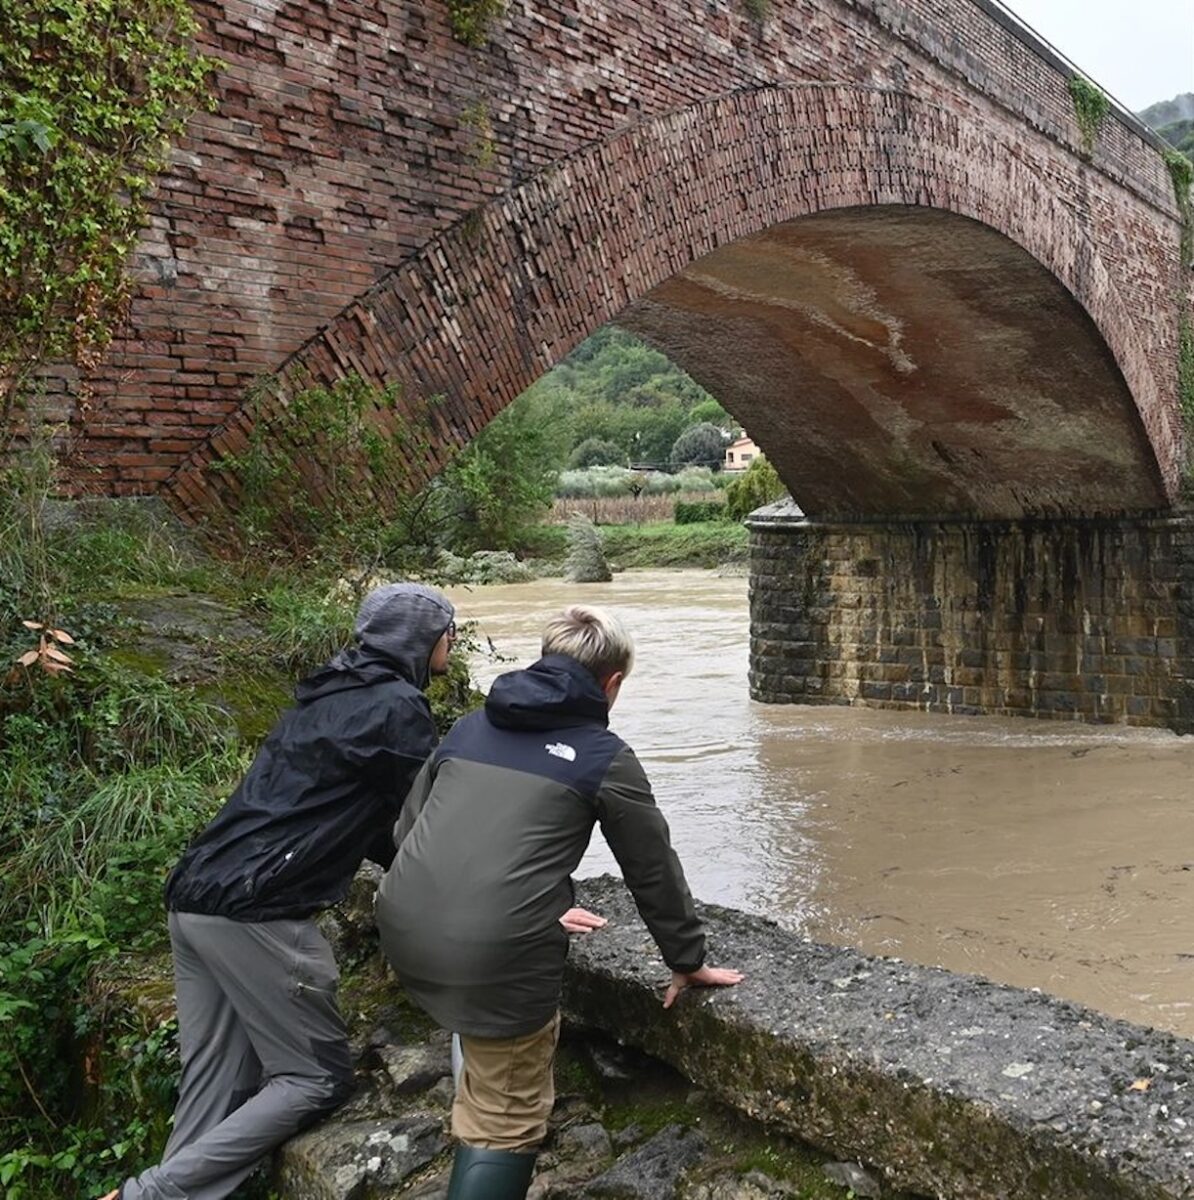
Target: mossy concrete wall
<point x="947" y="1085"/>
<point x="1078" y="619"/>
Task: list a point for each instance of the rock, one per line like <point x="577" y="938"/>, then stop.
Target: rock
<point x="347" y="1160"/>
<point x="433" y="1188"/>
<point x="350" y="927"/>
<point x="585" y="1141"/>
<point x="628" y="1136"/>
<point x="853" y="1177"/>
<point x="900" y="1066"/>
<point x="652" y="1171"/>
<point x="752" y="1186"/>
<point x="611" y="1061"/>
<point x="442" y="1093"/>
<point x="414" y="1068"/>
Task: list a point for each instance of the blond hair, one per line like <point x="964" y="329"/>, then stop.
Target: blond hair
<point x="595" y="638"/>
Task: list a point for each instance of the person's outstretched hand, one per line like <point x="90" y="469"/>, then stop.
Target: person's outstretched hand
<point x="580" y="920"/>
<point x="703" y="977"/>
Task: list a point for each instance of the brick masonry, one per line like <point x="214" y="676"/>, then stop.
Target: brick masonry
<point x="371" y="195"/>
<point x="1077" y="620"/>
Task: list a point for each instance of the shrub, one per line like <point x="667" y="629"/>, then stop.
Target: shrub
<point x="695" y="512"/>
<point x="757" y="485"/>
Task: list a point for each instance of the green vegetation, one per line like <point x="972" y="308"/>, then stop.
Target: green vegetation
<point x="656" y="1097"/>
<point x="1174" y="121"/>
<point x="1090" y="109"/>
<point x="92" y="93"/>
<point x="619" y="481"/>
<point x="1181" y="172"/>
<point x="618" y="390"/>
<point x="477" y="120"/>
<point x="596" y="452"/>
<point x="669" y="545"/>
<point x="693" y="512"/>
<point x="702" y="444"/>
<point x="471" y="19"/>
<point x="108" y="766"/>
<point x="758" y="485"/>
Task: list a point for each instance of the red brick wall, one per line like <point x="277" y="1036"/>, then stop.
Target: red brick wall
<point x="318" y="213"/>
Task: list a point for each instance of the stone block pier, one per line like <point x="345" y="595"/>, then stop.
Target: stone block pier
<point x="1086" y="619"/>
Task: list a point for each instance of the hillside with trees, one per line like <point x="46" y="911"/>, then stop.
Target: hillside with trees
<point x="1174" y="121"/>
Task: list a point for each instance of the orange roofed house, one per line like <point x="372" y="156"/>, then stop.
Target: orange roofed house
<point x="740" y="454"/>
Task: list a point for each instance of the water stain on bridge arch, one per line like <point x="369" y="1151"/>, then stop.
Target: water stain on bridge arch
<point x="1043" y="854"/>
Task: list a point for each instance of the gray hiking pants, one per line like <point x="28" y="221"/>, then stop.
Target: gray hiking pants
<point x="264" y="1050"/>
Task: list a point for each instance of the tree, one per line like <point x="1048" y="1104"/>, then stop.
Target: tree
<point x="503" y="481"/>
<point x="91" y="94"/>
<point x="759" y="484"/>
<point x="703" y="443"/>
<point x="597" y="452"/>
<point x="711" y="412"/>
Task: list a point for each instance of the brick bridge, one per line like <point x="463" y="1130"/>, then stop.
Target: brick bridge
<point x="873" y="228"/>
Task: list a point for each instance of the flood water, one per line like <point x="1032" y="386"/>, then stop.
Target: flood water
<point x="1039" y="853"/>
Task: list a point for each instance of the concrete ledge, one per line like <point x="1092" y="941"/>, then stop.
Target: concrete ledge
<point x="948" y="1085"/>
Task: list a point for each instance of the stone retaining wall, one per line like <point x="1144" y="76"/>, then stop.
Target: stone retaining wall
<point x="945" y="1084"/>
<point x="1078" y="619"/>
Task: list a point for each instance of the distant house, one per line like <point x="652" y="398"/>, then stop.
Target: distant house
<point x="740" y="454"/>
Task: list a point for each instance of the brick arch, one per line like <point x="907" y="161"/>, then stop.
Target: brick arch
<point x="485" y="309"/>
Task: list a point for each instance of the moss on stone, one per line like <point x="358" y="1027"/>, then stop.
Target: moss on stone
<point x="253" y="699"/>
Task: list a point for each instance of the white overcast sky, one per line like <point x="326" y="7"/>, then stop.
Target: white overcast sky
<point x="1141" y="51"/>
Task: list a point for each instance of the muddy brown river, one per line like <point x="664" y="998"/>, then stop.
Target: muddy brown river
<point x="1045" y="854"/>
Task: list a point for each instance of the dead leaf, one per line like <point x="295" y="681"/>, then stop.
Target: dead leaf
<point x="1141" y="1085"/>
<point x="60" y="635"/>
<point x="28" y="658"/>
<point x="57" y="655"/>
<point x="33" y="625"/>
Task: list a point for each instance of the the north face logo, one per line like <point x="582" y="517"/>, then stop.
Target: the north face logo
<point x="561" y="750"/>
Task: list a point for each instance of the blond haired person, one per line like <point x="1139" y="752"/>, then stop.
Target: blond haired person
<point x="474" y="910"/>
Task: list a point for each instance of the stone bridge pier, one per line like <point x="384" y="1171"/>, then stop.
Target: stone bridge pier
<point x="1082" y="618"/>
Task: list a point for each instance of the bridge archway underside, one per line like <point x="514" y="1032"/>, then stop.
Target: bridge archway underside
<point x="900" y="360"/>
<point x="909" y="318"/>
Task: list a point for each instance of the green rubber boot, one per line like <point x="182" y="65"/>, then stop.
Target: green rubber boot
<point x="490" y="1174"/>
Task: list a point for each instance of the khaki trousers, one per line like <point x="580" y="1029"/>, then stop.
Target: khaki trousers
<point x="506" y="1090"/>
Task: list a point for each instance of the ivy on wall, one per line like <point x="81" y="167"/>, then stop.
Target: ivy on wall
<point x="1090" y="109"/>
<point x="91" y="95"/>
<point x="1181" y="171"/>
<point x="470" y="19"/>
<point x="483" y="147"/>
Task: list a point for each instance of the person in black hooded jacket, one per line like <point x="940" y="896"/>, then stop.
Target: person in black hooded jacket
<point x="263" y="1046"/>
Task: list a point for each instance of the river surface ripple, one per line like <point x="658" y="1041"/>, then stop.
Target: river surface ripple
<point x="1039" y="853"/>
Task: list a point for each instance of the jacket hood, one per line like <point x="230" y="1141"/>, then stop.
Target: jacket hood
<point x="553" y="693"/>
<point x="349" y="669"/>
<point x="397" y="626"/>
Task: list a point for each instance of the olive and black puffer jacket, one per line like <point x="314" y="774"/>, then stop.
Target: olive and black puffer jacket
<point x="491" y="832"/>
<point x="328" y="783"/>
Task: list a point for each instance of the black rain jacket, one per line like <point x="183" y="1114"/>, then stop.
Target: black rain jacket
<point x="324" y="790"/>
